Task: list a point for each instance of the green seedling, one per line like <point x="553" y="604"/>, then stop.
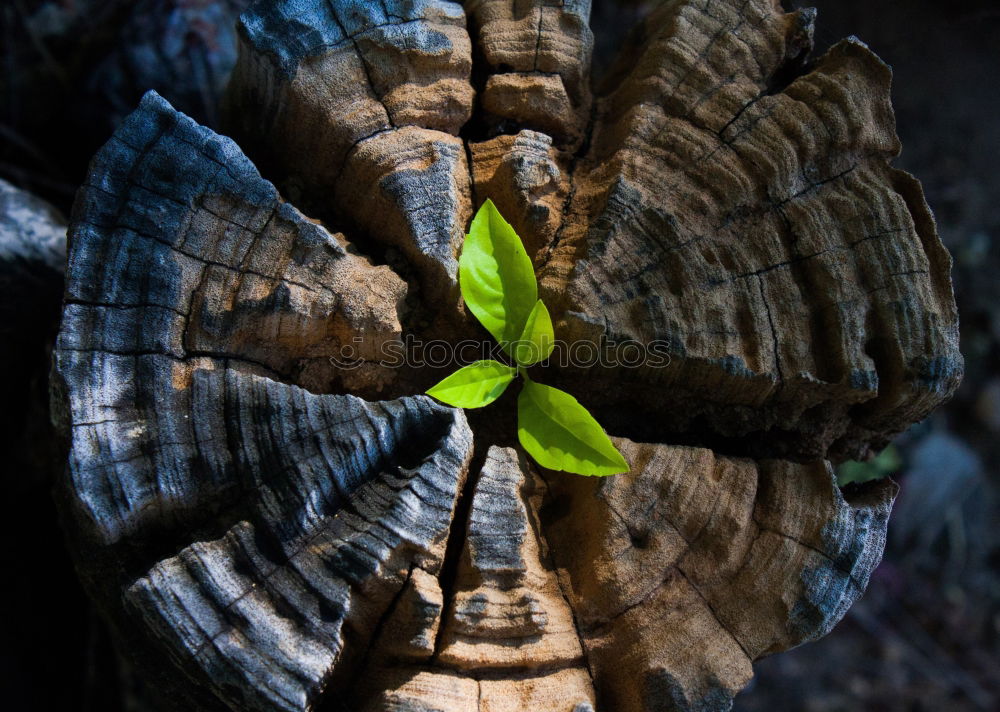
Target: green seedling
<point x="499" y="287"/>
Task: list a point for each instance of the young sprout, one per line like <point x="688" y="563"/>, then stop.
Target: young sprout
<point x="499" y="287"/>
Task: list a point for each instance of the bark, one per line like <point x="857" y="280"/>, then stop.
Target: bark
<point x="263" y="538"/>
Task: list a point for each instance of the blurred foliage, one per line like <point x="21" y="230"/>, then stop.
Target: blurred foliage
<point x="886" y="463"/>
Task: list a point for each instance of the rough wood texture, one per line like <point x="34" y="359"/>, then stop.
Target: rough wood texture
<point x="265" y="539"/>
<point x="191" y="276"/>
<point x="175" y="227"/>
<point x="376" y="94"/>
<point x="337" y="512"/>
<point x="687" y="569"/>
<point x="761" y="232"/>
<point x="505" y="634"/>
<point x="733" y="200"/>
<point x="537" y="64"/>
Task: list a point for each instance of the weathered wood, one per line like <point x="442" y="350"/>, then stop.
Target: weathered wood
<point x="336" y="513"/>
<point x="735" y="203"/>
<point x="655" y="590"/>
<point x="537" y="58"/>
<point x="190" y="277"/>
<point x="264" y="539"/>
<point x="32" y="259"/>
<point x="687" y="569"/>
<point x="506" y="638"/>
<point x="738" y="204"/>
<point x="175" y="226"/>
<point x="374" y="94"/>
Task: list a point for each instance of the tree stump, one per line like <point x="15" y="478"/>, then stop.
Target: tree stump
<point x="268" y="530"/>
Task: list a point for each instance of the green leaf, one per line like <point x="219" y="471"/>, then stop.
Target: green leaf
<point x="475" y="385"/>
<point x="887" y="462"/>
<point x="537" y="340"/>
<point x="561" y="435"/>
<point x="496" y="276"/>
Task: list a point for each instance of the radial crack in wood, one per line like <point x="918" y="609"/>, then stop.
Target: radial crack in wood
<point x="739" y="209"/>
<point x="244" y="520"/>
<point x="261" y="543"/>
<point x="183" y="249"/>
<point x="692" y="566"/>
<point x="343" y="502"/>
<point x="508" y="641"/>
<point x="537" y="56"/>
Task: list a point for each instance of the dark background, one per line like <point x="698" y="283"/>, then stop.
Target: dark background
<point x="924" y="636"/>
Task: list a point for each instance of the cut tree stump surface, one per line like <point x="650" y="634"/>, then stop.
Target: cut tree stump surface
<point x="267" y="530"/>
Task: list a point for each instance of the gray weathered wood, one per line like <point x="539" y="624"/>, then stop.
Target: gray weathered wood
<point x="264" y="538"/>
